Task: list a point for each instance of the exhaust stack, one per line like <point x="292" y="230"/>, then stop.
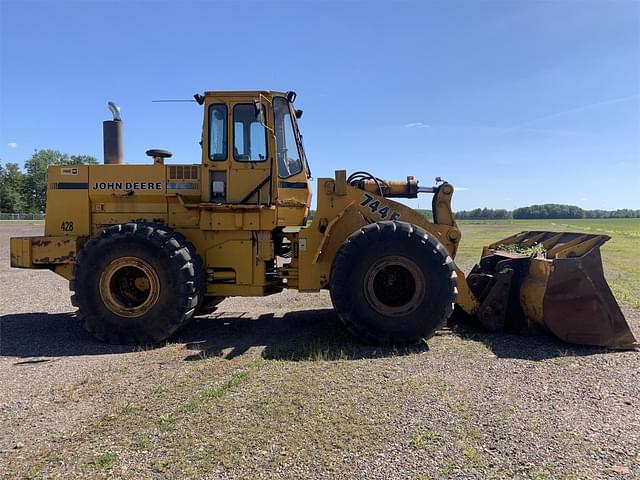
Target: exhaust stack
<point x="112" y="137"/>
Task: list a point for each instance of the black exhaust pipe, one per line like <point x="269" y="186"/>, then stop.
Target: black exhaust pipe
<point x="112" y="137"/>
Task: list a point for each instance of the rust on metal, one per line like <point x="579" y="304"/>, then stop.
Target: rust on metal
<point x="578" y="305"/>
<point x="41" y="242"/>
<point x="560" y="287"/>
<point x="39" y="252"/>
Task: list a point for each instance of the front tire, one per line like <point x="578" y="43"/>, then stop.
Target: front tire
<point x="135" y="284"/>
<point x="393" y="283"/>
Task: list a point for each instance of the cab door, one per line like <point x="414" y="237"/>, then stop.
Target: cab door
<point x="250" y="179"/>
<point x="239" y="153"/>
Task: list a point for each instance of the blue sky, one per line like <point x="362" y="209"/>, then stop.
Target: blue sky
<point x="513" y="102"/>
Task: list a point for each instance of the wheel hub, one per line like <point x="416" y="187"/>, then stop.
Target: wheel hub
<point x="129" y="287"/>
<point x="394" y="286"/>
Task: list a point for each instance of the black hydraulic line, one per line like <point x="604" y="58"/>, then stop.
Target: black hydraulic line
<point x="360" y="176"/>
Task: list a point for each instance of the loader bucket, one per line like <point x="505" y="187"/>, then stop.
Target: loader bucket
<point x="555" y="280"/>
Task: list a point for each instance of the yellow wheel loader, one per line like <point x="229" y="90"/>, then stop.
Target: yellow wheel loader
<point x="146" y="247"/>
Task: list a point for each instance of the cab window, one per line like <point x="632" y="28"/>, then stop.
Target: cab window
<point x="218" y="132"/>
<point x="287" y="153"/>
<point x="249" y="135"/>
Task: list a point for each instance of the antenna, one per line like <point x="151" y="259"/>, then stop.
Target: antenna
<point x="197" y="98"/>
<point x="172" y="101"/>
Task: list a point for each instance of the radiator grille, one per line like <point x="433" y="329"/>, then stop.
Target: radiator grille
<point x="184" y="172"/>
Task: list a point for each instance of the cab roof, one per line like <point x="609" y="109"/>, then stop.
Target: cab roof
<point x="242" y="93"/>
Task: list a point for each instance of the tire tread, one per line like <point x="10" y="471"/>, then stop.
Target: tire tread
<point x="345" y="262"/>
<point x="181" y="263"/>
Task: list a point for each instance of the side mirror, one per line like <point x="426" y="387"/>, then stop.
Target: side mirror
<point x="298" y="114"/>
<point x="259" y="109"/>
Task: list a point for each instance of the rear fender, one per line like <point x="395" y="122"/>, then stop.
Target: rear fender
<point x="44" y="252"/>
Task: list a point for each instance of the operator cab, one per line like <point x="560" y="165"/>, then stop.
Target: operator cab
<point x="252" y="153"/>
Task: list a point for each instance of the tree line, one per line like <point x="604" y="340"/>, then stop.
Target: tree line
<point x="25" y="191"/>
<point x="546" y="211"/>
<point x="483" y="214"/>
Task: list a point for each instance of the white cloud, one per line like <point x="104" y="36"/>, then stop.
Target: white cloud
<point x="460" y="189"/>
<point x="579" y="109"/>
<point x="12" y="145"/>
<point x="416" y="125"/>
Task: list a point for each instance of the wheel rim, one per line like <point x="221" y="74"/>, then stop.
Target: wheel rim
<point x="394" y="286"/>
<point x="129" y="287"/>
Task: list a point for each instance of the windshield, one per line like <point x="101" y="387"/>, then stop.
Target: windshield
<point x="305" y="163"/>
<point x="290" y="160"/>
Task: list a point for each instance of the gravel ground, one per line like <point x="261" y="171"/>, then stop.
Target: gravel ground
<point x="273" y="388"/>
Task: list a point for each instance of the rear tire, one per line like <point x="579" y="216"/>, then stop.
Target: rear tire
<point x="393" y="283"/>
<point x="135" y="284"/>
<point x="204" y="306"/>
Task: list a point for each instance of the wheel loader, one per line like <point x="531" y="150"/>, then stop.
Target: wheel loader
<point x="146" y="247"/>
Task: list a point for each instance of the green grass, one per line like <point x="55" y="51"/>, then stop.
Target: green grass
<point x="619" y="255"/>
<point x="473" y="455"/>
<point x="104" y="461"/>
<point x="196" y="402"/>
<point x="534" y="250"/>
<point x="424" y="438"/>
